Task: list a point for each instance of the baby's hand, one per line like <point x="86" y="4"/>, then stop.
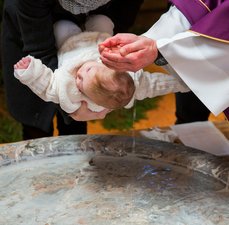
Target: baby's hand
<point x="23" y="63"/>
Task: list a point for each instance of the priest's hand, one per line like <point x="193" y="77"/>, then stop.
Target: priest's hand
<point x="128" y="52"/>
<point x="84" y="114"/>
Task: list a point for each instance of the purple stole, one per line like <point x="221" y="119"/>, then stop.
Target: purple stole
<point x="209" y="18"/>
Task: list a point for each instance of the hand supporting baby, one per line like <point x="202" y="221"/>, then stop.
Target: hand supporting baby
<point x="85" y="114"/>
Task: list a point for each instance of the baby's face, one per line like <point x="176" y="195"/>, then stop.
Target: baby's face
<point x="85" y="76"/>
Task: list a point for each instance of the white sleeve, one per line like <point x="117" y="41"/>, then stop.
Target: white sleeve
<point x="149" y="85"/>
<point x="202" y="63"/>
<point x="169" y="24"/>
<point x="40" y="79"/>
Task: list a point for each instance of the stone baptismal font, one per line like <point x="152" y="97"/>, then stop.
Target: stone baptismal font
<point x="108" y="179"/>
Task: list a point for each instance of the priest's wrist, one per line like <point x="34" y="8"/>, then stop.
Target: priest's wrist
<point x="160" y="60"/>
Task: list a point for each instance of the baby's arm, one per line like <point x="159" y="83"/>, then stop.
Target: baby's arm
<point x="149" y="85"/>
<point x="38" y="77"/>
<point x="58" y="87"/>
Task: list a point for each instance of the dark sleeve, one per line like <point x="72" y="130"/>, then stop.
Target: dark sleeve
<point x="36" y="27"/>
<point x="123" y="13"/>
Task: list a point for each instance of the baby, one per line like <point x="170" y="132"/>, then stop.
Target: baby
<point x="91" y="82"/>
<point x="82" y="77"/>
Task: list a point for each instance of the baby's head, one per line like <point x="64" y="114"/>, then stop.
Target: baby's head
<point x="104" y="86"/>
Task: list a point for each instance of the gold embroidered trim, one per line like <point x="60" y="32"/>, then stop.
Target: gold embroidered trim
<point x="213" y="38"/>
<point x="204" y="5"/>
